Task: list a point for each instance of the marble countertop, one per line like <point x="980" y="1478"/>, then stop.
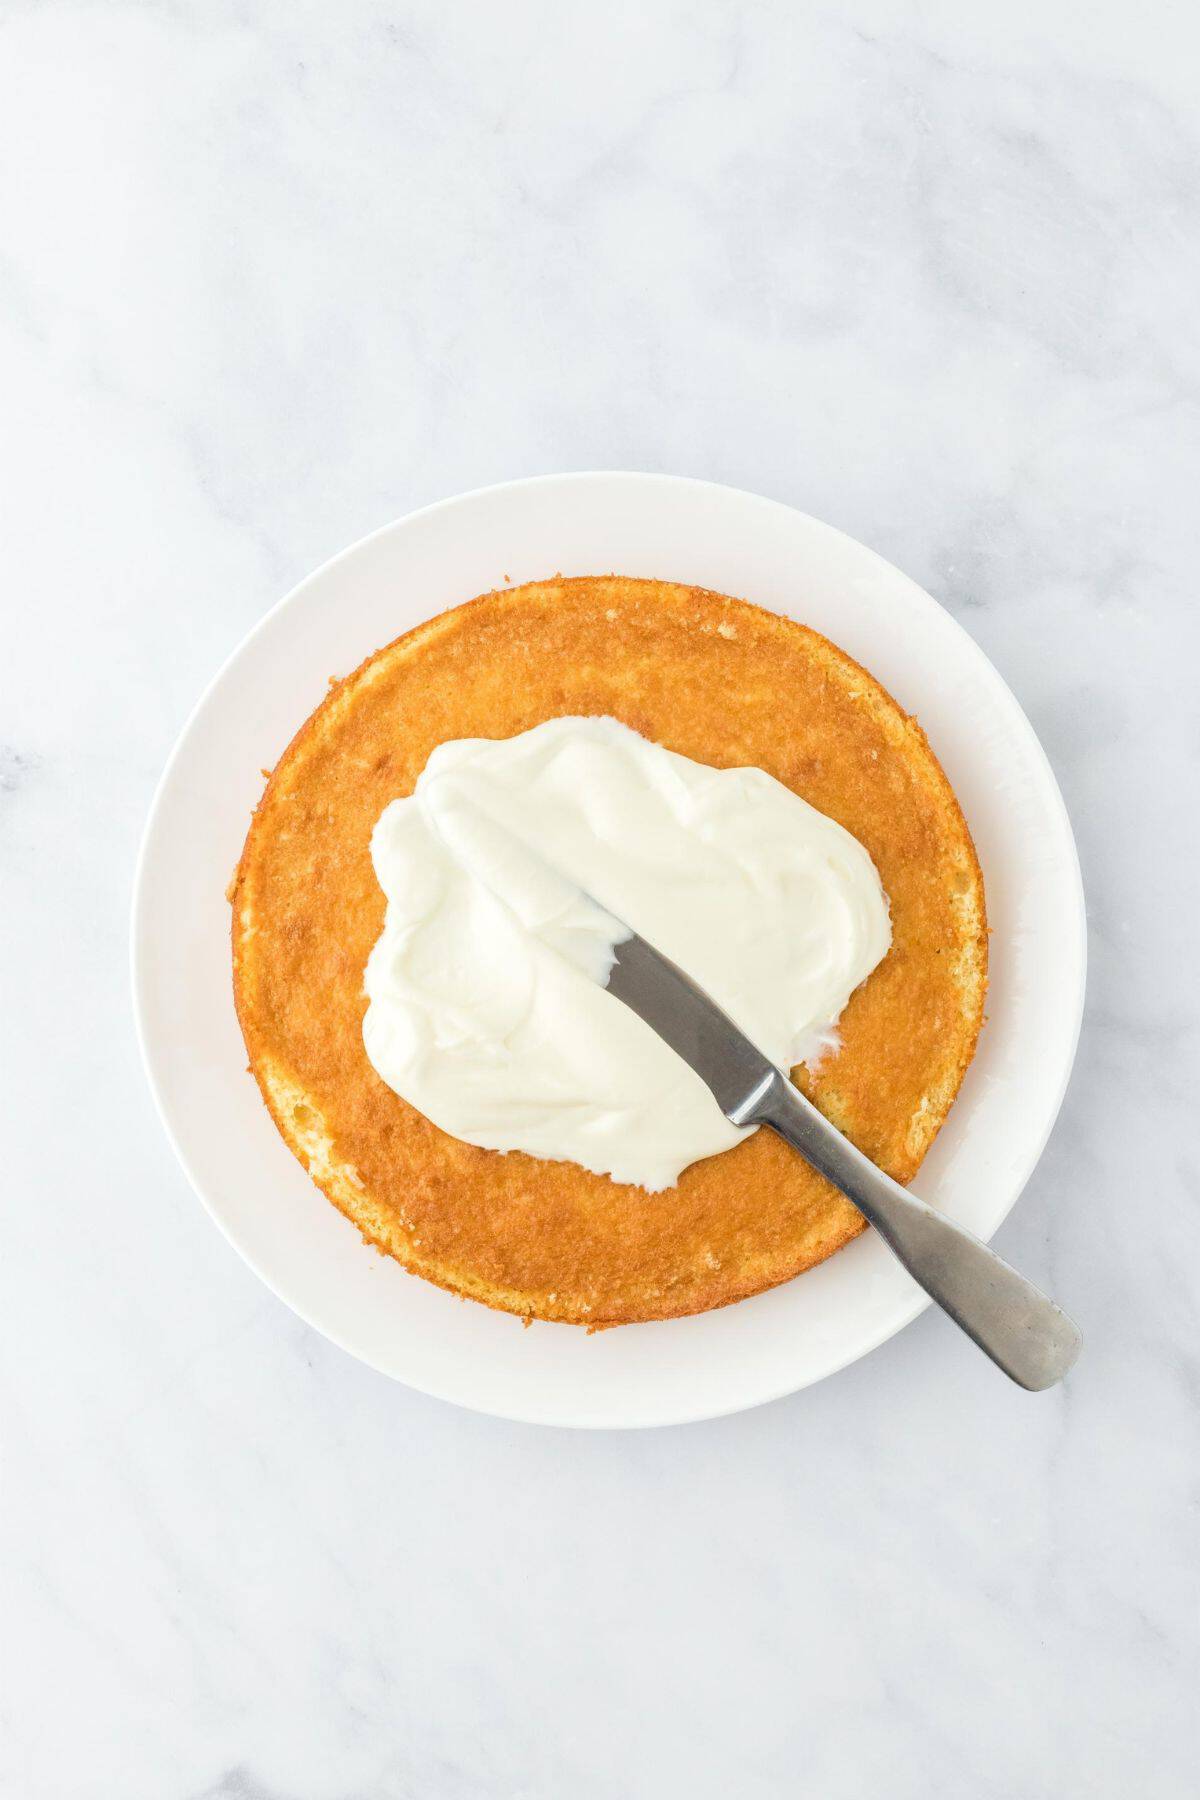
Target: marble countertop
<point x="272" y="274"/>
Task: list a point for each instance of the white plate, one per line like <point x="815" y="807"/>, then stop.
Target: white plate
<point x="680" y="530"/>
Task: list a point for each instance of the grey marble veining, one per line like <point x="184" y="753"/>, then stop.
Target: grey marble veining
<point x="273" y="274"/>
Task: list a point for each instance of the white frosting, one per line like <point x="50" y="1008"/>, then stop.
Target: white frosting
<point x="487" y="1010"/>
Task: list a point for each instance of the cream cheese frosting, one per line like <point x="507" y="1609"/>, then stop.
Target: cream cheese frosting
<point x="487" y="1009"/>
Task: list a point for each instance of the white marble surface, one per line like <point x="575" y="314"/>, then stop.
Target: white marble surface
<point x="274" y="273"/>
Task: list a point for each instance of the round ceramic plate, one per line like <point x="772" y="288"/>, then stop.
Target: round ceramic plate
<point x="592" y="524"/>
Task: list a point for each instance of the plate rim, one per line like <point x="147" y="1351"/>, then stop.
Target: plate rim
<point x="161" y="793"/>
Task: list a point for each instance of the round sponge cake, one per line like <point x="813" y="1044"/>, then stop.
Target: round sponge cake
<point x="722" y="682"/>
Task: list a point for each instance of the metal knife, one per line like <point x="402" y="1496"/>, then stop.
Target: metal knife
<point x="1023" y="1331"/>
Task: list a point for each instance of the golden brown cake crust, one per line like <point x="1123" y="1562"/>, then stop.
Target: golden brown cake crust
<point x="720" y="681"/>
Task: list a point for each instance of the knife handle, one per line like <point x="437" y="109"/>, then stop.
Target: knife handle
<point x="1013" y="1322"/>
